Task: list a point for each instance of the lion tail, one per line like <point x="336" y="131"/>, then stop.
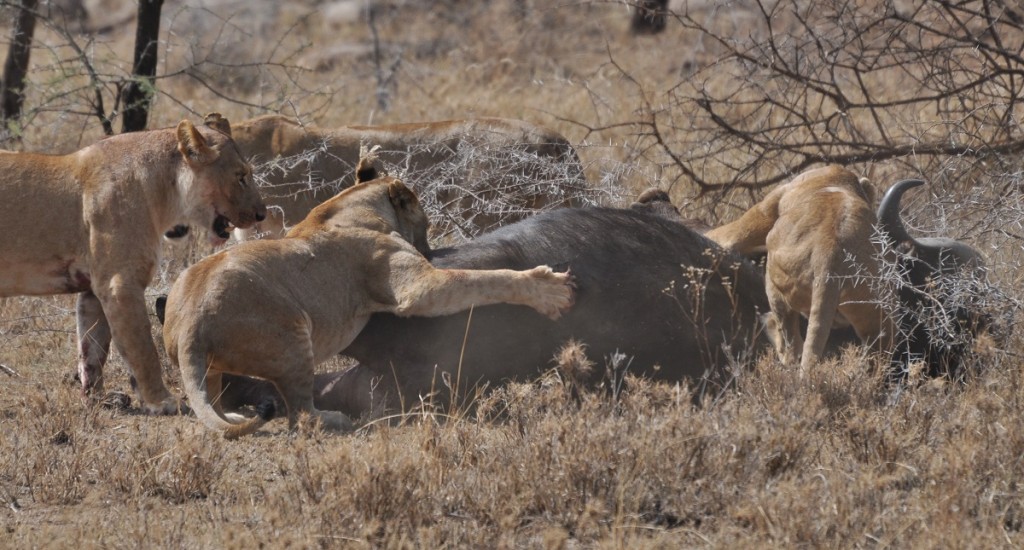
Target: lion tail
<point x="748" y="234"/>
<point x="194" y="370"/>
<point x="265" y="412"/>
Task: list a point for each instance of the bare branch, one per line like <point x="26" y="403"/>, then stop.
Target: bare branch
<point x="838" y="81"/>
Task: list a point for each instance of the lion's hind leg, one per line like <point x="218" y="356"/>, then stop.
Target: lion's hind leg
<point x="783" y="326"/>
<point x="297" y="393"/>
<point x="784" y="332"/>
<point x="329" y="420"/>
<point x="824" y="305"/>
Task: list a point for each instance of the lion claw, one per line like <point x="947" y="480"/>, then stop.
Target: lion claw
<point x="557" y="293"/>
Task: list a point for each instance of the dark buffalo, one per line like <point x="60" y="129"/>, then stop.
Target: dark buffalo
<point x="654" y="298"/>
<point x="648" y="289"/>
<point x="940" y="282"/>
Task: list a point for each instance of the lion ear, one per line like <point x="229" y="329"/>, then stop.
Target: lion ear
<point x="367" y="170"/>
<point x="218" y="122"/>
<point x="870" y="192"/>
<point x="402" y="198"/>
<point x="193" y="145"/>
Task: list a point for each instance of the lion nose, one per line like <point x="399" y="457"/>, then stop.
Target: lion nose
<point x="261" y="213"/>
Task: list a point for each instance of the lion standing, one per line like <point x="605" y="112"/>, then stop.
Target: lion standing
<point x="91" y="223"/>
<point x="817" y="230"/>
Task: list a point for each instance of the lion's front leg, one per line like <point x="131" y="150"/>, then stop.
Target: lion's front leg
<point x="129" y="325"/>
<point x="427" y="291"/>
<point x="783" y="330"/>
<point x="93" y="343"/>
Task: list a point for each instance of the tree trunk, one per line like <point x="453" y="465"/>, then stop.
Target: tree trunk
<point x="138" y="96"/>
<point x="649" y="16"/>
<point x="13" y="85"/>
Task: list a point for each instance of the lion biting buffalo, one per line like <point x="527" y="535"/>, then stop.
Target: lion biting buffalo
<point x="817" y="231"/>
<point x="274" y="309"/>
<point x="825" y="264"/>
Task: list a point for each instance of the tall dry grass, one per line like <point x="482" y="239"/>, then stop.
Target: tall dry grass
<point x="834" y="458"/>
<point x="824" y="460"/>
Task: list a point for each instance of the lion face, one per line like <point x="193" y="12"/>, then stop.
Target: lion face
<point x="223" y="194"/>
<point x="412" y="220"/>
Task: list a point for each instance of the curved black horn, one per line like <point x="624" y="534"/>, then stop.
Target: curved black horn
<point x="889" y="219"/>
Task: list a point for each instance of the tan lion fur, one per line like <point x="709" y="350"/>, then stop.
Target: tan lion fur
<point x="296" y="185"/>
<point x="91" y="223"/>
<point x="817" y="230"/>
<point x="274" y="309"/>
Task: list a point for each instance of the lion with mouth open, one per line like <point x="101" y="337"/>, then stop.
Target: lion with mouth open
<point x="105" y="209"/>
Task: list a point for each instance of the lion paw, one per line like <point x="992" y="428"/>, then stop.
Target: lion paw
<point x="336" y="422"/>
<point x="328" y="421"/>
<point x="554" y="293"/>
<point x="169" y="406"/>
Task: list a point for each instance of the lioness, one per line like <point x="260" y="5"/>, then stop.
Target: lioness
<point x="817" y="230"/>
<point x="470" y="175"/>
<point x="105" y="209"/>
<point x="273" y="309"/>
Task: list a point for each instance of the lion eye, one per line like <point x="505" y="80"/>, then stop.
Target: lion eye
<point x="241" y="180"/>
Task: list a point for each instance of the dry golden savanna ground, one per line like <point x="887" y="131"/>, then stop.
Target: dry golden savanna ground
<point x="830" y="459"/>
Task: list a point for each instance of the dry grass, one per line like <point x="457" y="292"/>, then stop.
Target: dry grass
<point x="831" y="459"/>
<point x="824" y="460"/>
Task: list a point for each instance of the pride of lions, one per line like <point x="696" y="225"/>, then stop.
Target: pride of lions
<point x="351" y="271"/>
